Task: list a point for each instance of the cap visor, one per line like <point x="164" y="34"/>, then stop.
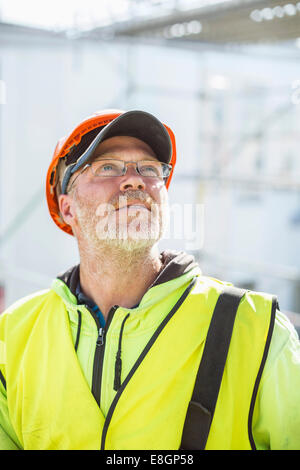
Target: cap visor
<point x="138" y="124"/>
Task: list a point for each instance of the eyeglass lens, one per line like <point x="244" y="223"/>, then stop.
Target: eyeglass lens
<point x="114" y="167"/>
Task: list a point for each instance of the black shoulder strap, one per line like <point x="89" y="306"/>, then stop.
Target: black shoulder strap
<point x="204" y="398"/>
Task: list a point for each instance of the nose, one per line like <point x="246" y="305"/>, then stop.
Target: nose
<point x="132" y="180"/>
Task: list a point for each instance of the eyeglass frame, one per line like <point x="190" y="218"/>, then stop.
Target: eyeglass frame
<point x="87" y="165"/>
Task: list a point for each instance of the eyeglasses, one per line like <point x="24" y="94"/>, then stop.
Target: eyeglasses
<point x="113" y="167"/>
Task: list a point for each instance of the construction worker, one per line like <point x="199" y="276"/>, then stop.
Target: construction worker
<point x="133" y="348"/>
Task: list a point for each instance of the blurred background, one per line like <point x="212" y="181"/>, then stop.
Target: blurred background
<point x="223" y="74"/>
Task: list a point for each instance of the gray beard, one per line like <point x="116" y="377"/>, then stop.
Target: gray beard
<point x="129" y="230"/>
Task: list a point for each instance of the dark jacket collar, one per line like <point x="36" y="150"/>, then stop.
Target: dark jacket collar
<point x="175" y="264"/>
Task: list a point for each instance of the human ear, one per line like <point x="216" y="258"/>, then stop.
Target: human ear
<point x="66" y="208"/>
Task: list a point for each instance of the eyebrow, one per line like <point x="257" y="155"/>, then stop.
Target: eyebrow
<point x="114" y="154"/>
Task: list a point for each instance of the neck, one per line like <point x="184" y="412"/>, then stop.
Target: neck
<point x="114" y="278"/>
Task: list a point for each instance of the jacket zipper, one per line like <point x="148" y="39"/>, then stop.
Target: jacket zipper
<point x="141" y="357"/>
<point x="99" y="354"/>
<point x="78" y="330"/>
<point x="118" y="362"/>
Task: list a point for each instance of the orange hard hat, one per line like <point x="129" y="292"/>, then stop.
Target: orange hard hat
<point x="76" y="149"/>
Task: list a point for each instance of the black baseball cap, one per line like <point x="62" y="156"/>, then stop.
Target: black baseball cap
<point x="138" y="124"/>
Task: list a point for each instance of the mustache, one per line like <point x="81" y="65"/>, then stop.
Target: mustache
<point x="124" y="198"/>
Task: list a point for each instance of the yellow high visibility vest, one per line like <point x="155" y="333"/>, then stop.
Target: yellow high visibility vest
<point x="49" y="396"/>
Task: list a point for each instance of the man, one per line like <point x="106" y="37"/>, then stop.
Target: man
<point x="133" y="348"/>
